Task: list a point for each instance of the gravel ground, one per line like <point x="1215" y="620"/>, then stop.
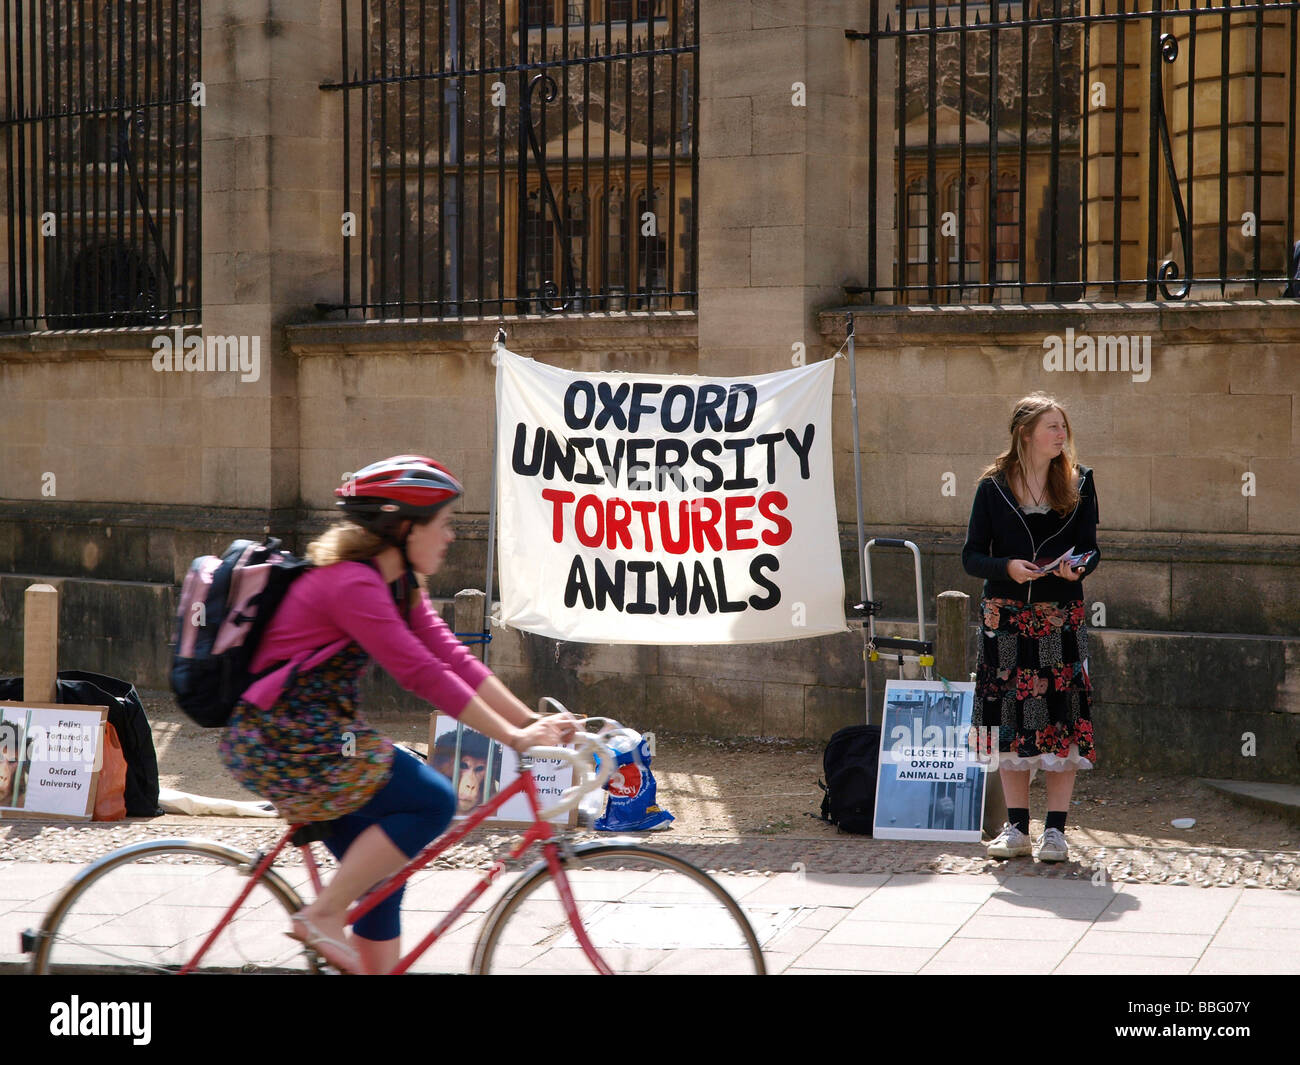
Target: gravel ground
<point x="750" y="805"/>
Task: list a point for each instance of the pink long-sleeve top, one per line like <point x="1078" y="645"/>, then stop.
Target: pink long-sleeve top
<point x="330" y="606"/>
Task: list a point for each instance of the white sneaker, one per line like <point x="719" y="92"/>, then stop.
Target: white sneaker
<point x="1010" y="843"/>
<point x="1052" y="846"/>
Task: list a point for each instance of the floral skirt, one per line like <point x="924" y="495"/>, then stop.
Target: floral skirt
<point x="312" y="753"/>
<point x="1032" y="689"/>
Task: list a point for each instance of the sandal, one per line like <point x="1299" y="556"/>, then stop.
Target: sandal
<point x="341" y="955"/>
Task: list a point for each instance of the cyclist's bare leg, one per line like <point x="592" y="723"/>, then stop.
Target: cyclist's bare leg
<point x="378" y="956"/>
<point x="371" y="858"/>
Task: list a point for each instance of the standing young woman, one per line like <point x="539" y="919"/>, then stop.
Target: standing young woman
<point x="297" y="736"/>
<point x="1032" y="688"/>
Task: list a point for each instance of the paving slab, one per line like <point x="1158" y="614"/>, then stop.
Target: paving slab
<point x="1083" y="888"/>
<point x="1001" y="956"/>
<point x="954" y="888"/>
<point x="823" y="917"/>
<point x="817" y="889"/>
<point x="1253" y="899"/>
<point x="1080" y="963"/>
<point x="1286" y="920"/>
<point x="1170" y="915"/>
<point x="794" y="941"/>
<point x="898" y="908"/>
<point x="1286" y="940"/>
<point x="25" y="881"/>
<point x="866" y="959"/>
<point x="889" y="934"/>
<point x="1044" y="907"/>
<point x="1014" y="929"/>
<point x="1230" y="960"/>
<point x="1143" y="944"/>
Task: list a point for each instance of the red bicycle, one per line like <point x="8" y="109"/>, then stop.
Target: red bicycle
<point x="188" y="905"/>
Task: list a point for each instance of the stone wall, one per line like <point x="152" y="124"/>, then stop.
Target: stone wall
<point x="1183" y="547"/>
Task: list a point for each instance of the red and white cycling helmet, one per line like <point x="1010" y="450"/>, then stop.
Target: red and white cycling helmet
<point x="387" y="492"/>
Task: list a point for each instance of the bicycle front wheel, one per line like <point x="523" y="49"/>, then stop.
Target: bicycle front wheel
<point x="641" y="911"/>
<point x="149" y="907"/>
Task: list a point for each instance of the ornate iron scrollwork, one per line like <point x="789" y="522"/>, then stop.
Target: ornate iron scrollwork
<point x="553" y="299"/>
<point x="1169" y="268"/>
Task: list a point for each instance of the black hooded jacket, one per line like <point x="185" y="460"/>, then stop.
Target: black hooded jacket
<point x="1000" y="531"/>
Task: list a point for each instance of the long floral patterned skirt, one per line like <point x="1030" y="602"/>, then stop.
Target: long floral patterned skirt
<point x="1032" y="689"/>
<point x="312" y="753"/>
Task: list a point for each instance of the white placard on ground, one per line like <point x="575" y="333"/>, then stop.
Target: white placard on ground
<point x="49" y="759"/>
<point x="930" y="785"/>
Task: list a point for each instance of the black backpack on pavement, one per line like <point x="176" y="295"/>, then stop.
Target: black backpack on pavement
<point x="851" y="762"/>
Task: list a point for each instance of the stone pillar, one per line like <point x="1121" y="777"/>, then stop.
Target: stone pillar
<point x="782" y="175"/>
<point x="468" y="617"/>
<point x="40" y="643"/>
<point x="272" y="152"/>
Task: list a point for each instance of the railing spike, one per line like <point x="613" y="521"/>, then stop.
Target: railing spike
<point x="947" y="18"/>
<point x="887" y="30"/>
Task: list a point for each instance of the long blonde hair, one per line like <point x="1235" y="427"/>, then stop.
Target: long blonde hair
<point x="1062" y="492"/>
<point x="348" y="542"/>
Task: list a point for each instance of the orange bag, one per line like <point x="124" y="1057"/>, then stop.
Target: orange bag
<point x="110" y="798"/>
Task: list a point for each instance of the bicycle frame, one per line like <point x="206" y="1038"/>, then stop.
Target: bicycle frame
<point x="539" y="832"/>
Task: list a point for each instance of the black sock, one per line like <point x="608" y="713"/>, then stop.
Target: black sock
<point x="1056" y="819"/>
<point x="1019" y="816"/>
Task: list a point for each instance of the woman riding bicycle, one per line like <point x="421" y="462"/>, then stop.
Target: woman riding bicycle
<point x="297" y="736"/>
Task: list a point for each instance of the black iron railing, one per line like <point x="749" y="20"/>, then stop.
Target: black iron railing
<point x="518" y="157"/>
<point x="1076" y="149"/>
<point x="101" y="153"/>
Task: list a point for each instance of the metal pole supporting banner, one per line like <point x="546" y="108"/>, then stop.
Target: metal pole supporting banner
<point x="857" y="456"/>
<point x="857" y="492"/>
<point x="497" y="344"/>
<point x="486" y="635"/>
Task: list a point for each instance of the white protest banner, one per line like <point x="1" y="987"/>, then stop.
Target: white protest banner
<point x="667" y="509"/>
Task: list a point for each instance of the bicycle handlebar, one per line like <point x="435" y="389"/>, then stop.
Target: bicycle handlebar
<point x="591" y="773"/>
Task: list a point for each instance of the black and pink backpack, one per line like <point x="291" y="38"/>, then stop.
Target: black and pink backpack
<point x="226" y="604"/>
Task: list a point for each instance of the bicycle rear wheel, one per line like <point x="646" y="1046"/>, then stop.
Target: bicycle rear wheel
<point x="643" y="912"/>
<point x="148" y="908"/>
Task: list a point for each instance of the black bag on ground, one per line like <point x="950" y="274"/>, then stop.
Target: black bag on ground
<point x="851" y="762"/>
<point x="126" y="715"/>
